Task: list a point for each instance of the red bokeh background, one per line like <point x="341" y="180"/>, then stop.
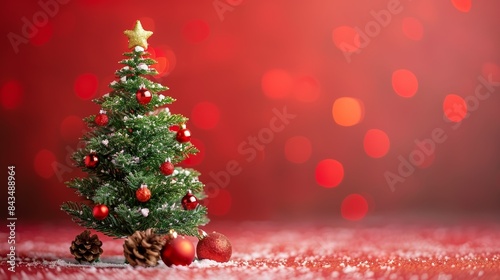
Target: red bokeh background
<point x="361" y="83"/>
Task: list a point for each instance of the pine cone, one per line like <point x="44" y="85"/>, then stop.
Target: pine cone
<point x="86" y="247"/>
<point x="143" y="248"/>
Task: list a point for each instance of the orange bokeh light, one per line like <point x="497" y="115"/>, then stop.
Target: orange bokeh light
<point x="298" y="149"/>
<point x="376" y="143"/>
<point x="454" y="107"/>
<point x="354" y="207"/>
<point x="462" y="5"/>
<point x="404" y="83"/>
<point x="329" y="173"/>
<point x="347" y="111"/>
<point x="346" y="38"/>
<point x="277" y="83"/>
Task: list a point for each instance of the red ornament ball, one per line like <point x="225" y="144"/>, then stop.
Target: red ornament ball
<point x="100" y="211"/>
<point x="101" y="119"/>
<point x="189" y="201"/>
<point x="183" y="135"/>
<point x="91" y="160"/>
<point x="178" y="251"/>
<point x="167" y="168"/>
<point x="143" y="194"/>
<point x="143" y="96"/>
<point x="214" y="246"/>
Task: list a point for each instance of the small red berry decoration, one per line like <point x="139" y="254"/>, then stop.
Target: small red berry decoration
<point x="177" y="250"/>
<point x="91" y="160"/>
<point x="189" y="201"/>
<point x="183" y="135"/>
<point x="143" y="194"/>
<point x="143" y="96"/>
<point x="167" y="168"/>
<point x="101" y="119"/>
<point x="100" y="211"/>
<point x="214" y="246"/>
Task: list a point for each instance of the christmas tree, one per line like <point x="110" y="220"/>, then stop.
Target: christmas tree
<point x="131" y="156"/>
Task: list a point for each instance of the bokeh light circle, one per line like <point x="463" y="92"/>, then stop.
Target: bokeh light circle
<point x="346" y="38"/>
<point x="205" y="115"/>
<point x="43" y="35"/>
<point x="347" y="111"/>
<point x="413" y="28"/>
<point x="376" y="143"/>
<point x="298" y="149"/>
<point x="463" y="6"/>
<point x="404" y="83"/>
<point x="329" y="173"/>
<point x="354" y="207"/>
<point x="11" y="94"/>
<point x="277" y="83"/>
<point x="43" y="163"/>
<point x="86" y="86"/>
<point x="307" y="89"/>
<point x="491" y="71"/>
<point x="454" y="107"/>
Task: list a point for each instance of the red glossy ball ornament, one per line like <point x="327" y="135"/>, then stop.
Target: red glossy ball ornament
<point x="183" y="135"/>
<point x="167" y="168"/>
<point x="101" y="119"/>
<point x="143" y="96"/>
<point x="91" y="160"/>
<point x="100" y="211"/>
<point x="189" y="201"/>
<point x="143" y="194"/>
<point x="214" y="246"/>
<point x="177" y="251"/>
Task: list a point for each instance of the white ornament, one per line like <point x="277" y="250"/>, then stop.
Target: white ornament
<point x="142" y="66"/>
<point x="175" y="172"/>
<point x="138" y="49"/>
<point x="125" y="118"/>
<point x="105" y="142"/>
<point x="161" y="97"/>
<point x="145" y="212"/>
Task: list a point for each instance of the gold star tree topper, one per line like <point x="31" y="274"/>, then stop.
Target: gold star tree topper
<point x="138" y="36"/>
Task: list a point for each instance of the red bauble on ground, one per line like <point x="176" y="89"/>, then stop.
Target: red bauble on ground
<point x="214" y="246"/>
<point x="183" y="135"/>
<point x="189" y="201"/>
<point x="101" y="119"/>
<point x="91" y="160"/>
<point x="100" y="211"/>
<point x="143" y="194"/>
<point x="143" y="96"/>
<point x="167" y="168"/>
<point x="178" y="251"/>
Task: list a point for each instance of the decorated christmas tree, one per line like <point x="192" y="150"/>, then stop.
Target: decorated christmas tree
<point x="132" y="156"/>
